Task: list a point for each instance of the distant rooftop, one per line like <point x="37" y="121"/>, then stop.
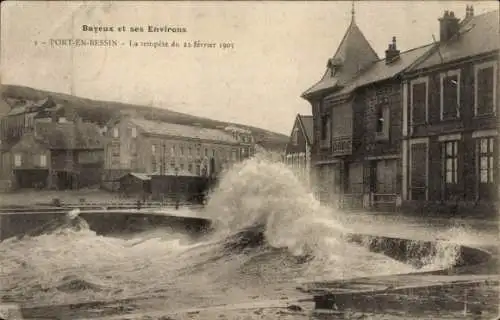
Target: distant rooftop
<point x="178" y="130"/>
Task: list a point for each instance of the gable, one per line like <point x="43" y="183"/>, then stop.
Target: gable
<point x="300" y="146"/>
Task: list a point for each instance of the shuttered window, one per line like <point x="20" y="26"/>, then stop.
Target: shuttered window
<point x="419" y="102"/>
<point x="418" y="171"/>
<point x="485" y="90"/>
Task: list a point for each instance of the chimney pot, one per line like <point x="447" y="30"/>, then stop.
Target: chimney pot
<point x="391" y="54"/>
<point x="448" y="26"/>
<point x="470" y="11"/>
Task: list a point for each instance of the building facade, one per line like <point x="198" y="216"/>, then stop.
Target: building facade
<point x="414" y="126"/>
<point x="150" y="147"/>
<point x="57" y="156"/>
<point x="298" y="149"/>
<point x="357" y="118"/>
<point x="450" y="147"/>
<point x="24" y="152"/>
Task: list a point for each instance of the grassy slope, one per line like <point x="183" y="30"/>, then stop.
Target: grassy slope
<point x="102" y="111"/>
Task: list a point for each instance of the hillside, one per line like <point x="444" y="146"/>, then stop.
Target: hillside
<point x="101" y="112"/>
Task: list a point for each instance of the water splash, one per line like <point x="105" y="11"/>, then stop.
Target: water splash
<point x="259" y="192"/>
<point x="68" y="263"/>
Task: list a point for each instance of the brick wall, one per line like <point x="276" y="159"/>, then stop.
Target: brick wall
<point x="392" y="92"/>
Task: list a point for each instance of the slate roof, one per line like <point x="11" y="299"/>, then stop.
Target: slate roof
<point x="179" y="173"/>
<point x="354" y="53"/>
<point x="177" y="130"/>
<point x="478" y="35"/>
<point x="69" y="136"/>
<point x="308" y="125"/>
<point x="380" y="71"/>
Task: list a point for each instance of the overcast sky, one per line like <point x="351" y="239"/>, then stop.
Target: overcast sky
<point x="280" y="50"/>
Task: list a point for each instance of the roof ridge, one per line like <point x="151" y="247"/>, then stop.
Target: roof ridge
<point x="410" y="50"/>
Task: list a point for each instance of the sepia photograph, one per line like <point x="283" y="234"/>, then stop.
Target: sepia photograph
<point x="249" y="160"/>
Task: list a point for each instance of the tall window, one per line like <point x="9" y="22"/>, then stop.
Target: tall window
<point x="134" y="132"/>
<point x="450" y="163"/>
<point x="115" y="133"/>
<point x="485" y="85"/>
<point x="419" y="156"/>
<point x="419" y="102"/>
<point x="17" y="160"/>
<point x="383" y="119"/>
<point x="450" y="95"/>
<point x="153" y="158"/>
<point x="43" y="160"/>
<point x="486" y="160"/>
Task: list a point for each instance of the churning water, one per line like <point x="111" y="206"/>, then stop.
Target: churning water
<point x="303" y="241"/>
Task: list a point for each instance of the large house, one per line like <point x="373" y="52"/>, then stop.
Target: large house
<point x="58" y="156"/>
<point x="151" y="147"/>
<point x="450" y="147"/>
<point x="357" y="122"/>
<point x="362" y="109"/>
<point x="44" y="144"/>
<point x="298" y="148"/>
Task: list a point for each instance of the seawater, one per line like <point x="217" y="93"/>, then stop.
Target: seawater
<point x="71" y="264"/>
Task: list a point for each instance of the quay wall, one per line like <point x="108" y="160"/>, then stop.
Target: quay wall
<point x="103" y="222"/>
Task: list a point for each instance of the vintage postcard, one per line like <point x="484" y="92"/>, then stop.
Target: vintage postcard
<point x="249" y="160"/>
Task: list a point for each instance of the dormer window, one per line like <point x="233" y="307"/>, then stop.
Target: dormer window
<point x="334" y="64"/>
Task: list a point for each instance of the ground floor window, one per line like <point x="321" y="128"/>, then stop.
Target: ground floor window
<point x="486" y="169"/>
<point x="486" y="160"/>
<point x="449" y="156"/>
<point x="17" y="160"/>
<point x="450" y="161"/>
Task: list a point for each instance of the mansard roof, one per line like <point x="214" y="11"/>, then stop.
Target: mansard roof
<point x="353" y="55"/>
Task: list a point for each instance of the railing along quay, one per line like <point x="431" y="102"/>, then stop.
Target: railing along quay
<point x="61" y="207"/>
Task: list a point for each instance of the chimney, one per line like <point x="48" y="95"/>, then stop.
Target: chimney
<point x="392" y="53"/>
<point x="469" y="12"/>
<point x="448" y="26"/>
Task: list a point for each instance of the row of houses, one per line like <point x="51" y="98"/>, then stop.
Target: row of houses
<point x="413" y="128"/>
<point x="44" y="144"/>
